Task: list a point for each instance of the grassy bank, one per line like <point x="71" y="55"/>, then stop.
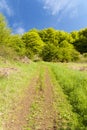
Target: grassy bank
<point x="74" y="85"/>
<point x="14" y="79"/>
<point x="65" y="85"/>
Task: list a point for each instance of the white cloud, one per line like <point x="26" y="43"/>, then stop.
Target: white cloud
<point x="62" y="7"/>
<point x="4" y="7"/>
<point x="55" y="6"/>
<point x="19" y="30"/>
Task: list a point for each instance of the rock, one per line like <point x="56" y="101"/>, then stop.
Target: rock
<point x="26" y="60"/>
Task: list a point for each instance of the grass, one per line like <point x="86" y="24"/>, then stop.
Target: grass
<point x="35" y="114"/>
<point x="36" y="110"/>
<point x="69" y="93"/>
<point x="13" y="86"/>
<point x="74" y="85"/>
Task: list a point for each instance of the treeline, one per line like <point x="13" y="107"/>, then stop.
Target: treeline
<point x="47" y="44"/>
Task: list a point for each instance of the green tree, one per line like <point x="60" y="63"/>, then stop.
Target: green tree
<point x="33" y="43"/>
<point x="49" y="35"/>
<point x="17" y="44"/>
<point x="4" y="31"/>
<point x="50" y="53"/>
<point x="67" y="52"/>
<point x="80" y="40"/>
<point x="55" y="36"/>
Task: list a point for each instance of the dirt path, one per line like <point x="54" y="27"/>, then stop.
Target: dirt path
<point x="49" y="112"/>
<point x="17" y="117"/>
<point x="43" y="111"/>
<point x="35" y="111"/>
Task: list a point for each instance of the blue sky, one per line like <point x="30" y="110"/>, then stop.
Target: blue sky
<point x="23" y="15"/>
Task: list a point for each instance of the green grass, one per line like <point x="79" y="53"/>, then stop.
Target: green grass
<point x="74" y="85"/>
<point x="36" y="109"/>
<point x="69" y="92"/>
<point x="13" y="86"/>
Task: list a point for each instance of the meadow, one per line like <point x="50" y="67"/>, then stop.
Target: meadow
<point x="74" y="85"/>
<point x="58" y="92"/>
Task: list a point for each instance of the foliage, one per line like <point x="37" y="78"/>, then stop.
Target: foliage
<point x="67" y="52"/>
<point x="7" y="52"/>
<point x="85" y="55"/>
<point x="17" y="44"/>
<point x="4" y="30"/>
<point x="74" y="85"/>
<point x="47" y="44"/>
<point x="58" y="46"/>
<point x="49" y="53"/>
<point x="33" y="43"/>
<point x="80" y="40"/>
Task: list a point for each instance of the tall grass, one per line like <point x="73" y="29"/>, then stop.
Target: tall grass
<point x="74" y="84"/>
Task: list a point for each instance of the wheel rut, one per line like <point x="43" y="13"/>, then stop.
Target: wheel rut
<point x="44" y="118"/>
<point x="17" y="116"/>
<point x="35" y="111"/>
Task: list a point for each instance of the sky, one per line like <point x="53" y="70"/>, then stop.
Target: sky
<point x="23" y="15"/>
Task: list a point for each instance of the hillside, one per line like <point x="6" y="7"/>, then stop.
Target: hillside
<point x="42" y="96"/>
<point x="47" y="44"/>
<point x="43" y="79"/>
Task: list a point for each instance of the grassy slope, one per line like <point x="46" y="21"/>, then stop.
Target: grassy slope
<point x="74" y="85"/>
<point x="13" y="85"/>
<point x="64" y="117"/>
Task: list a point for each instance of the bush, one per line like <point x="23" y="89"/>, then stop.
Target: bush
<point x="50" y="53"/>
<point x="17" y="44"/>
<point x="7" y="52"/>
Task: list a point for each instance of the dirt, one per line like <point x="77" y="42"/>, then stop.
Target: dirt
<point x="78" y="67"/>
<point x="18" y="116"/>
<point x="5" y="72"/>
<point x="45" y="114"/>
<point x="49" y="112"/>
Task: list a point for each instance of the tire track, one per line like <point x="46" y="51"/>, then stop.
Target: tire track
<point x="17" y="116"/>
<point x="45" y="113"/>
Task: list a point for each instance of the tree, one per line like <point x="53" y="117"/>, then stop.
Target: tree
<point x="49" y="35"/>
<point x="33" y="43"/>
<point x="17" y="44"/>
<point x="50" y="53"/>
<point x="4" y="31"/>
<point x="67" y="52"/>
<point x="80" y="40"/>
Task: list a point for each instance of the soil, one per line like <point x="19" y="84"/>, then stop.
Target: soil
<point x="18" y="116"/>
<point x="49" y="112"/>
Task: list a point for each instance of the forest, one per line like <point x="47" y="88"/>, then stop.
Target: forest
<point x="47" y="44"/>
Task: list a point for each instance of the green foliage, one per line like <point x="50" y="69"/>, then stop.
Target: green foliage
<point x="67" y="52"/>
<point x="54" y="36"/>
<point x="17" y="44"/>
<point x="58" y="47"/>
<point x="4" y="30"/>
<point x="48" y="44"/>
<point x="50" y="53"/>
<point x="80" y="40"/>
<point x="62" y="106"/>
<point x="33" y="43"/>
<point x="74" y="84"/>
<point x="85" y="55"/>
<point x="7" y="52"/>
